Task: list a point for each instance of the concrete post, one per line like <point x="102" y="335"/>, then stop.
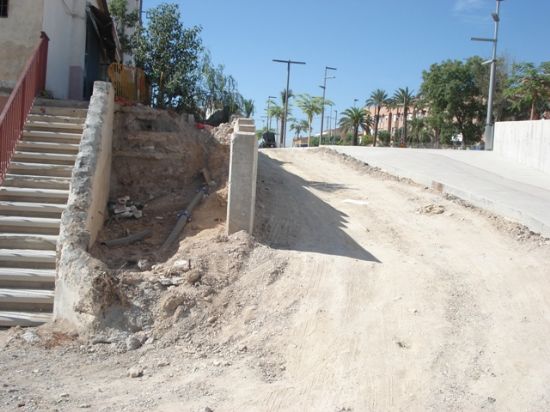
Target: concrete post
<point x="243" y="165"/>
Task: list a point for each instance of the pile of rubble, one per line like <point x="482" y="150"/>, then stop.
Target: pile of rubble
<point x="223" y="132"/>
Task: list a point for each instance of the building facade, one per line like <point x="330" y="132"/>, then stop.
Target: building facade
<point x="81" y="43"/>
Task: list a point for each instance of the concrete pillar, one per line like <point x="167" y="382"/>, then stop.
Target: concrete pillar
<point x="243" y="166"/>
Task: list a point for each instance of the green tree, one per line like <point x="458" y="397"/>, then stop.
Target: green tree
<point x="377" y="99"/>
<point x="299" y="126"/>
<point x="170" y="56"/>
<point x="454" y="98"/>
<point x="124" y="21"/>
<point x="352" y="120"/>
<point x="529" y="89"/>
<point x="277" y="112"/>
<point x="404" y="97"/>
<point x="311" y="106"/>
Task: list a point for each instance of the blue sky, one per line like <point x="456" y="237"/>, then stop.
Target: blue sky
<point x="373" y="44"/>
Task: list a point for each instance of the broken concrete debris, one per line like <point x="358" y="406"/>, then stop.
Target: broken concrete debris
<point x="123" y="207"/>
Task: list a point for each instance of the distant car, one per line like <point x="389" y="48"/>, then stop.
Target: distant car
<point x="267" y="140"/>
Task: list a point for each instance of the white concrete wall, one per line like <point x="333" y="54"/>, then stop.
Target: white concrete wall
<point x="19" y="36"/>
<point x="65" y="24"/>
<point x="243" y="167"/>
<point x="85" y="213"/>
<point x="525" y="142"/>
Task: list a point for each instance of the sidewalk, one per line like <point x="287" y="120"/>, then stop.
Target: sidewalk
<point x="482" y="178"/>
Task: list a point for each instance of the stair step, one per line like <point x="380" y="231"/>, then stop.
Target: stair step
<point x="27" y="241"/>
<point x="46" y="118"/>
<point x="33" y="194"/>
<point x="27" y="255"/>
<point x="14" y="318"/>
<point x="59" y="111"/>
<point x="47" y="136"/>
<point x="27" y="275"/>
<point x="40" y="169"/>
<point x="8" y="295"/>
<point x="25" y="208"/>
<point x="34" y="225"/>
<point x="53" y="126"/>
<point x="46" y="158"/>
<point x="47" y="147"/>
<point x="38" y="182"/>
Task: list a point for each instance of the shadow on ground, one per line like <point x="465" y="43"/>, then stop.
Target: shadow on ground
<point x="290" y="217"/>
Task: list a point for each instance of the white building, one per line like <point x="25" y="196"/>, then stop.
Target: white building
<point x="82" y="43"/>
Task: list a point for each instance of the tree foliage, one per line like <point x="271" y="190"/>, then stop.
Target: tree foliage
<point x="170" y="56"/>
<point x="454" y="98"/>
<point x="529" y="89"/>
<point x="354" y="119"/>
<point x="310" y="106"/>
<point x="405" y="97"/>
<point x="377" y="99"/>
<point x="124" y="20"/>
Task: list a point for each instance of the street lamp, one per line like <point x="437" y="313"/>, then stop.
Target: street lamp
<point x="489" y="124"/>
<point x="355" y="102"/>
<point x="268" y="112"/>
<point x="327" y="68"/>
<point x="283" y="126"/>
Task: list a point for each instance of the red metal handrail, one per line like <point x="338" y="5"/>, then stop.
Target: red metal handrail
<point x="12" y="119"/>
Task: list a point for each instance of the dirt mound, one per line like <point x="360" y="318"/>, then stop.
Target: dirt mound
<point x="158" y="162"/>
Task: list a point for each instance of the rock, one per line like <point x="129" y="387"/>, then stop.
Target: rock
<point x="207" y="409"/>
<point x="212" y="319"/>
<point x="144" y="264"/>
<point x="84" y="406"/>
<point x="133" y="343"/>
<point x="30" y="336"/>
<point x="135" y="372"/>
<point x="194" y="276"/>
<point x="181" y="265"/>
<point x="162" y="363"/>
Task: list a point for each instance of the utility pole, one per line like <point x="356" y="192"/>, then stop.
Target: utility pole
<point x="324" y="87"/>
<point x="489" y="123"/>
<point x="283" y="126"/>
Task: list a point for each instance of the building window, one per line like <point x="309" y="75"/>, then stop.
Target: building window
<point x="3" y="8"/>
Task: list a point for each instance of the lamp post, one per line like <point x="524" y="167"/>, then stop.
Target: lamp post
<point x="268" y="112"/>
<point x="283" y="126"/>
<point x="327" y="68"/>
<point x="355" y="102"/>
<point x="489" y="124"/>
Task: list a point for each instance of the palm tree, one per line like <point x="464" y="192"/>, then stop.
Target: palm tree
<point x="248" y="107"/>
<point x="310" y="105"/>
<point x="404" y="97"/>
<point x="278" y="112"/>
<point x="299" y="126"/>
<point x="354" y="118"/>
<point x="377" y="99"/>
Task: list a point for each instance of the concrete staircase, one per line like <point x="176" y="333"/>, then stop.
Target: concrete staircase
<point x="32" y="198"/>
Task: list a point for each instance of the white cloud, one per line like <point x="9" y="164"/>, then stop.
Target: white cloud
<point x="465" y="6"/>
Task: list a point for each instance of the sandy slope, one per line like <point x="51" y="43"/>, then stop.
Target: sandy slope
<point x="357" y="297"/>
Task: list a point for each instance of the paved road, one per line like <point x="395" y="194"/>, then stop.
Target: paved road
<point x="482" y="178"/>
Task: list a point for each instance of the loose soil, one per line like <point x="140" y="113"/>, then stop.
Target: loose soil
<point x="358" y="292"/>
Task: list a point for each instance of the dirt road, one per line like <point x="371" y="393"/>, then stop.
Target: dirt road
<point x="364" y="294"/>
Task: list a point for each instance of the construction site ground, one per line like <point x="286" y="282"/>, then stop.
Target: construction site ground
<point x="358" y="292"/>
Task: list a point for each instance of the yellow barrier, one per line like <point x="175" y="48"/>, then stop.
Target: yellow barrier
<point x="130" y="83"/>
